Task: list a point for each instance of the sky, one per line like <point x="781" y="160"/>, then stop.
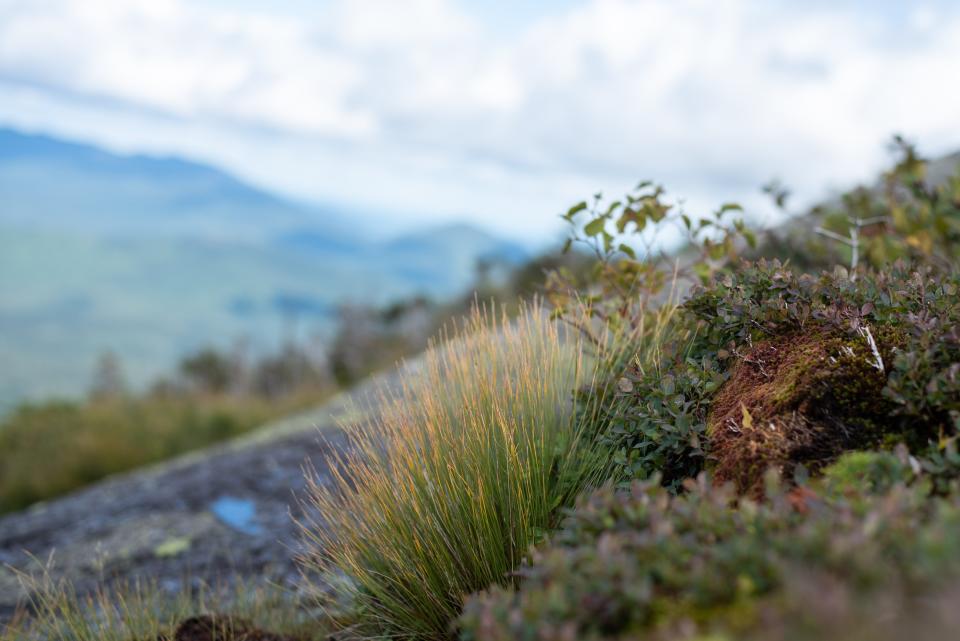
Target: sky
<point x="501" y="112"/>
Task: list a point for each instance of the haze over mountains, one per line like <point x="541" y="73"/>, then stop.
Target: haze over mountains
<point x="150" y="257"/>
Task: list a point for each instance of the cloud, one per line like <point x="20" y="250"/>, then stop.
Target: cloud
<point x="423" y="106"/>
<point x="185" y="60"/>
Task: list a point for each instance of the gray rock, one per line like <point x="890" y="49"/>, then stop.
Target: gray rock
<point x="218" y="516"/>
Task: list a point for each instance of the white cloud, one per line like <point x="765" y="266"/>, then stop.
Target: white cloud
<point x="185" y="60"/>
<point x="422" y="106"/>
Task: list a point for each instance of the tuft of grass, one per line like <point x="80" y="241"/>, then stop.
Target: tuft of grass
<point x="140" y="611"/>
<point x="467" y="467"/>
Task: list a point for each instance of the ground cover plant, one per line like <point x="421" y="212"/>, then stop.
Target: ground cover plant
<point x="814" y="562"/>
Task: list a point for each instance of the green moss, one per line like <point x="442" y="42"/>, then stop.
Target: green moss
<point x="850" y="391"/>
<point x="803" y="398"/>
<point x="865" y="471"/>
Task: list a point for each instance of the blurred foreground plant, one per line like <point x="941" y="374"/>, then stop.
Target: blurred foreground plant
<point x="143" y="611"/>
<point x="645" y="564"/>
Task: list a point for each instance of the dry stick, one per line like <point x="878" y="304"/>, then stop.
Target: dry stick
<point x="878" y="360"/>
<point x="853" y="242"/>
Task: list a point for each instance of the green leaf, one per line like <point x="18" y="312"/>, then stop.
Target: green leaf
<point x="724" y="208"/>
<point x="716" y="251"/>
<point x="628" y="250"/>
<point x="667" y="384"/>
<point x="595" y="226"/>
<point x="613" y="207"/>
<point x="576" y="209"/>
<point x="656" y="210"/>
<point x="607" y="241"/>
<point x="703" y="271"/>
<point x="567" y="245"/>
<point x="631" y="215"/>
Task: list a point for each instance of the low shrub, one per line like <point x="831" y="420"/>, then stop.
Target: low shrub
<point x="779" y="369"/>
<point x="837" y="325"/>
<point x="471" y="464"/>
<point x="907" y="215"/>
<point x="647" y="564"/>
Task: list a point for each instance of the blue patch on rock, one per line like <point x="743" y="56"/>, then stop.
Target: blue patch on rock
<point x="237" y="513"/>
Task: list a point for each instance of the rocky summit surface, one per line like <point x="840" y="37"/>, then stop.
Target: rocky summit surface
<point x="214" y="517"/>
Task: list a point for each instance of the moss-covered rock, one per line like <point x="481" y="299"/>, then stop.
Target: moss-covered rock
<point x="802" y="399"/>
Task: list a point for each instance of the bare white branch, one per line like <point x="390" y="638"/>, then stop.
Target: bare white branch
<point x="877" y="359"/>
<point x="833" y="235"/>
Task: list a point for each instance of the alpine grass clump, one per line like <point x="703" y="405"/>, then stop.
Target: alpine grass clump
<point x="144" y="610"/>
<point x="466" y="468"/>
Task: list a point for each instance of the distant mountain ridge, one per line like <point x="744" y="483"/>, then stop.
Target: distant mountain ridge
<point x="151" y="256"/>
<point x="131" y="194"/>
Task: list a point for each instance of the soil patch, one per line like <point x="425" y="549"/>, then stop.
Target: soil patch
<point x="222" y="628"/>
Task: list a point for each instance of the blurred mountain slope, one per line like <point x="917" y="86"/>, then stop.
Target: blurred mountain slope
<point x="149" y="257"/>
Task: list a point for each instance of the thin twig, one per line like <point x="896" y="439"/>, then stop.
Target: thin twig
<point x="878" y="360"/>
